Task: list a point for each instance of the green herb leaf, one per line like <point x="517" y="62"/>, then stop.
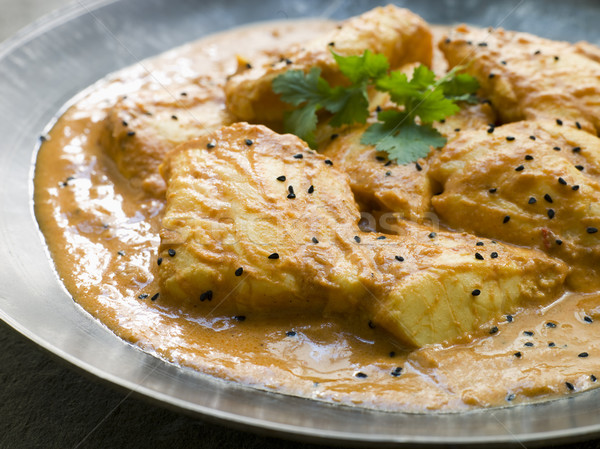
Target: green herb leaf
<point x="369" y="66"/>
<point x="349" y="105"/>
<point x="297" y="87"/>
<point x="459" y="87"/>
<point x="302" y="122"/>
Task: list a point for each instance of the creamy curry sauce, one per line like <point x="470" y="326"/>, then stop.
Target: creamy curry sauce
<point x="103" y="237"/>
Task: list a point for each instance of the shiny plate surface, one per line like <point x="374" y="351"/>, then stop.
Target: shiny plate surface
<point x="49" y="62"/>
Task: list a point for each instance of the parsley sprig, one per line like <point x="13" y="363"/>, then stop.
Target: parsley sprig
<point x="405" y="132"/>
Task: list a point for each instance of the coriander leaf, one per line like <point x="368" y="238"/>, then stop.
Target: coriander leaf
<point x="432" y="106"/>
<point x="460" y="87"/>
<point x="398" y="86"/>
<point x="302" y="122"/>
<point x="297" y="87"/>
<point x="422" y="78"/>
<point x="362" y="68"/>
<point x="404" y="144"/>
<point x="349" y="105"/>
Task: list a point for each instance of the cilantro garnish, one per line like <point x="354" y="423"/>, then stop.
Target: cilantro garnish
<point x="404" y="133"/>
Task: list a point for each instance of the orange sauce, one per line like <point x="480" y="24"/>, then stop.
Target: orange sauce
<point x="103" y="237"/>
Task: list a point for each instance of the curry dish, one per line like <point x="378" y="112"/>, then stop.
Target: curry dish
<point x="179" y="213"/>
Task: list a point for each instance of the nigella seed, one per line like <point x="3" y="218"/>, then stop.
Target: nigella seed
<point x="432" y="235"/>
<point x="562" y="181"/>
<point x="510" y="397"/>
<point x="518" y="354"/>
<point x="559" y="122"/>
<point x="334" y="136"/>
<point x="456" y="130"/>
<point x="357" y="239"/>
<point x="582" y="355"/>
<point x="478" y="256"/>
<point x="291" y="196"/>
<point x="143" y="296"/>
<point x="529" y="344"/>
<point x="172" y="252"/>
<point x="380" y="158"/>
<point x="387" y="164"/>
<point x="493" y="190"/>
<point x="494" y="255"/>
<point x="174" y="117"/>
<point x="314" y="240"/>
<point x="298" y="156"/>
<point x="371" y="324"/>
<point x="361" y="375"/>
<point x="506" y="219"/>
<point x="240" y="318"/>
<point x="281" y="178"/>
<point x="593" y="378"/>
<point x="528" y="157"/>
<point x="551" y="214"/>
<point x="131" y="133"/>
<point x="291" y="189"/>
<point x="548" y="198"/>
<point x="273" y="256"/>
<point x="124" y="123"/>
<point x="578" y="125"/>
<point x="418" y="166"/>
<point x="588" y="319"/>
<point x="476" y="292"/>
<point x="381" y="237"/>
<point x="290" y="334"/>
<point x="155" y="297"/>
<point x="210" y="145"/>
<point x="121" y="253"/>
<point x="575" y="188"/>
<point x="239" y="271"/>
<point x="311" y="189"/>
<point x="559" y="242"/>
<point x="479" y="244"/>
<point x="550" y="324"/>
<point x="328" y="162"/>
<point x="491" y="75"/>
<point x="206" y="296"/>
<point x="509" y="318"/>
<point x="159" y="261"/>
<point x="528" y="333"/>
<point x="520" y="168"/>
<point x="556" y="148"/>
<point x="579" y="167"/>
<point x="388" y="173"/>
<point x="493" y="330"/>
<point x="532" y="200"/>
<point x="490" y="130"/>
<point x="396" y="371"/>
<point x="591" y="230"/>
<point x="392" y="354"/>
<point x="551" y="344"/>
<point x="532" y="137"/>
<point x="570" y="386"/>
<point x="576" y="149"/>
<point x="399" y="258"/>
<point x="510" y="138"/>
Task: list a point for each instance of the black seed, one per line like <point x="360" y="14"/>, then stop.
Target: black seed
<point x="288" y="61"/>
<point x="562" y="181"/>
<point x="328" y="162"/>
<point x="143" y="296"/>
<point x="593" y="378"/>
<point x="490" y="130"/>
<point x="510" y="138"/>
<point x="291" y="189"/>
<point x="529" y="344"/>
<point x="418" y="166"/>
<point x="493" y="330"/>
<point x="334" y="136"/>
<point x="551" y="344"/>
<point x="506" y="219"/>
<point x="548" y="198"/>
<point x="371" y="324"/>
<point x="556" y="58"/>
<point x="476" y="292"/>
<point x="482" y="44"/>
<point x="532" y="200"/>
<point x="559" y="122"/>
<point x="159" y="261"/>
<point x="314" y="240"/>
<point x="570" y="386"/>
<point x="591" y="230"/>
<point x="240" y="318"/>
<point x="583" y="355"/>
<point x="532" y="137"/>
<point x="494" y="255"/>
<point x="378" y="109"/>
<point x="432" y="235"/>
<point x="509" y="318"/>
<point x="331" y="44"/>
<point x="578" y="125"/>
<point x="400" y="258"/>
<point x="248" y="65"/>
<point x="396" y="371"/>
<point x="380" y="158"/>
<point x="273" y="256"/>
<point x="556" y="148"/>
<point x="503" y="62"/>
<point x="579" y="167"/>
<point x="388" y="173"/>
<point x="381" y="237"/>
<point x="551" y="214"/>
<point x="291" y="196"/>
<point x="559" y="242"/>
<point x="493" y="190"/>
<point x="361" y="375"/>
<point x="575" y="188"/>
<point x="479" y="244"/>
<point x="550" y="324"/>
<point x="588" y="319"/>
<point x="121" y="253"/>
<point x="298" y="156"/>
<point x="537" y="52"/>
<point x="183" y="94"/>
<point x="576" y="149"/>
<point x="206" y="296"/>
<point x="211" y="145"/>
<point x="456" y="130"/>
<point x="155" y="297"/>
<point x="311" y="189"/>
<point x="239" y="271"/>
<point x="174" y="117"/>
<point x="387" y="164"/>
<point x="478" y="256"/>
<point x="518" y="354"/>
<point x="171" y="252"/>
<point x="510" y="397"/>
<point x="131" y="133"/>
<point x="281" y="178"/>
<point x="520" y="168"/>
<point x="528" y="333"/>
<point x="392" y="354"/>
<point x="290" y="334"/>
<point x="357" y="239"/>
<point x="528" y="157"/>
<point x="124" y="123"/>
<point x="491" y="75"/>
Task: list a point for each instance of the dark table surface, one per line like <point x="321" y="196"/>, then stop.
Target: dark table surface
<point x="45" y="404"/>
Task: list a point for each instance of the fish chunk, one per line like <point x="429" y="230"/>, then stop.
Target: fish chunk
<point x="528" y="77"/>
<point x="144" y="126"/>
<point x="397" y="33"/>
<point x="534" y="184"/>
<point x="256" y="222"/>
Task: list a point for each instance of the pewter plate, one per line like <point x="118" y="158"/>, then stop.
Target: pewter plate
<point x="46" y="64"/>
